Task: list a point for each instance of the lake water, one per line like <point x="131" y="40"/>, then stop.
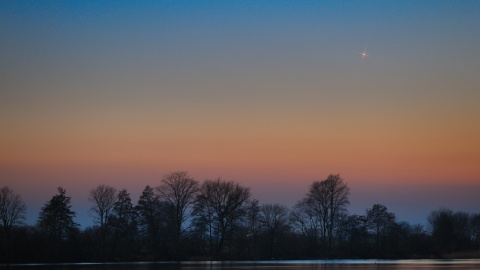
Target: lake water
<point x="264" y="265"/>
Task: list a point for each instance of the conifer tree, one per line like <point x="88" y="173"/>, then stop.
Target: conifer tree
<point x="56" y="217"/>
<point x="57" y="229"/>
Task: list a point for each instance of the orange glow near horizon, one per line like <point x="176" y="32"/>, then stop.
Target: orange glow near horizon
<point x="375" y="147"/>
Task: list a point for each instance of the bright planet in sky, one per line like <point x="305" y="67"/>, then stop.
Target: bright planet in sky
<point x="364" y="53"/>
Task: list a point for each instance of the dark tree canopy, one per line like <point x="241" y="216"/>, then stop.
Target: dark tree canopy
<point x="103" y="198"/>
<point x="123" y="221"/>
<point x="275" y="223"/>
<point x="219" y="205"/>
<point x="12" y="209"/>
<point x="178" y="191"/>
<point x="12" y="213"/>
<point x="306" y="222"/>
<point x="56" y="217"/>
<point x="152" y="219"/>
<point x="328" y="200"/>
<point x="379" y="221"/>
<point x="452" y="230"/>
<point x="148" y="208"/>
<point x="180" y="220"/>
<point x="124" y="217"/>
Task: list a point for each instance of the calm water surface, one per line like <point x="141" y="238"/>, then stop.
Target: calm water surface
<point x="264" y="265"/>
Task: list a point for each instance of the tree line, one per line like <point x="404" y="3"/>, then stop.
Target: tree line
<point x="184" y="219"/>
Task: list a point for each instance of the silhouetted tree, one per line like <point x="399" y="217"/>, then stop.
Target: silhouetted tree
<point x="461" y="221"/>
<point x="151" y="218"/>
<point x="124" y="223"/>
<point x="379" y="222"/>
<point x="56" y="223"/>
<point x="275" y="223"/>
<point x="56" y="216"/>
<point x="452" y="231"/>
<point x="103" y="198"/>
<point x="225" y="224"/>
<point x="203" y="229"/>
<point x="12" y="213"/>
<point x="442" y="227"/>
<point x="328" y="199"/>
<point x="178" y="191"/>
<point x="419" y="241"/>
<point x="356" y="236"/>
<point x="219" y="205"/>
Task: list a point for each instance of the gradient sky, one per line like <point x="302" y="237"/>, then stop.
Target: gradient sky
<point x="272" y="94"/>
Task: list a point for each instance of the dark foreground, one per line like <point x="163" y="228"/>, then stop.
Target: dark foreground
<point x="263" y="265"/>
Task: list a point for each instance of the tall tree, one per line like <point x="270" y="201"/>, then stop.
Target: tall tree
<point x="328" y="199"/>
<point x="124" y="223"/>
<point x="178" y="191"/>
<point x="379" y="221"/>
<point x="56" y="224"/>
<point x="56" y="216"/>
<point x="12" y="212"/>
<point x="103" y="198"/>
<point x="442" y="227"/>
<point x="220" y="203"/>
<point x="150" y="217"/>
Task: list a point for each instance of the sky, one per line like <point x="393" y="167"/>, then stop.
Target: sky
<point x="271" y="94"/>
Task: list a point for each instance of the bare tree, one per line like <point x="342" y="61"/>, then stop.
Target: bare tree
<point x="221" y="203"/>
<point x="178" y="191"/>
<point x="12" y="209"/>
<point x="103" y="198"/>
<point x="328" y="199"/>
<point x="12" y="212"/>
<point x="274" y="220"/>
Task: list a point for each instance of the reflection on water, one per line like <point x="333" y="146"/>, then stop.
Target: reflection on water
<point x="263" y="265"/>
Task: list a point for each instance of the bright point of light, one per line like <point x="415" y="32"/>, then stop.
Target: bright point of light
<point x="364" y="53"/>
